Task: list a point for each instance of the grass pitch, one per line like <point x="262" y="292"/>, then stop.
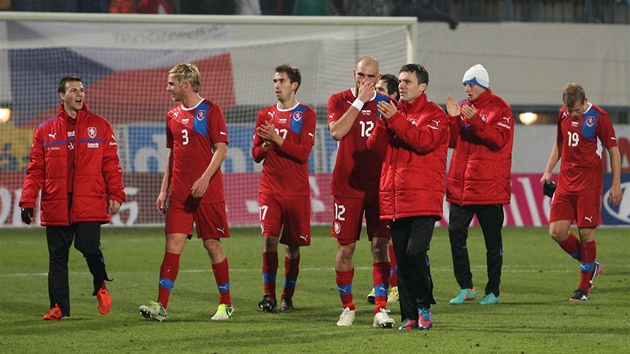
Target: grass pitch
<point x="533" y="316"/>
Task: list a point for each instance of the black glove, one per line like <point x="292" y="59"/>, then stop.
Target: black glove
<point x="549" y="188"/>
<point x="27" y="215"/>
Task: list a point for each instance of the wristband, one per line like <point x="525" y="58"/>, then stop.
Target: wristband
<point x="358" y="104"/>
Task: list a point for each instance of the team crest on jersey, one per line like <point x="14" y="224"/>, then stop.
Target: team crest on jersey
<point x="484" y="117"/>
<point x="297" y="116"/>
<point x="91" y="132"/>
<point x="590" y="120"/>
<point x="413" y="121"/>
<point x="201" y="114"/>
<point x="337" y="227"/>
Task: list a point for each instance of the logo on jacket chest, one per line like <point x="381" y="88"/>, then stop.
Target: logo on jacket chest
<point x="92" y="132"/>
<point x="71" y="140"/>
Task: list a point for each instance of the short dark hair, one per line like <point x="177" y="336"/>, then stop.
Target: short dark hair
<point x="421" y="73"/>
<point x="69" y="78"/>
<point x="293" y="72"/>
<point x="392" y="84"/>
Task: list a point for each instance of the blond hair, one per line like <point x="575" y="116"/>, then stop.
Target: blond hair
<point x="187" y="72"/>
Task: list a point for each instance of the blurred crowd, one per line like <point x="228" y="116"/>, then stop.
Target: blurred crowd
<point x="424" y="10"/>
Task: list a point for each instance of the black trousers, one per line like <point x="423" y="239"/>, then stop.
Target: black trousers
<point x="412" y="239"/>
<point x="87" y="239"/>
<point x="491" y="220"/>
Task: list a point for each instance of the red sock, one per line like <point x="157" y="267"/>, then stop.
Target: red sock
<point x="587" y="264"/>
<point x="168" y="274"/>
<point x="344" y="284"/>
<point x="269" y="270"/>
<point x="380" y="275"/>
<point x="571" y="246"/>
<point x="222" y="277"/>
<point x="393" y="270"/>
<point x="291" y="271"/>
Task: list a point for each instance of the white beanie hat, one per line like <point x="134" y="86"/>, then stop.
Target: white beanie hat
<point x="477" y="75"/>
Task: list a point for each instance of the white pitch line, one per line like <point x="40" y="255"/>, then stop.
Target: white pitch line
<point x="433" y="269"/>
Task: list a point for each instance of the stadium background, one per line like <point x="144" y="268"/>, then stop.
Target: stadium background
<point x="124" y="60"/>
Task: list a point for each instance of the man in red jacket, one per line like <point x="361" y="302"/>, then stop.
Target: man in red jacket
<point x="414" y="138"/>
<point x="479" y="179"/>
<point x="74" y="162"/>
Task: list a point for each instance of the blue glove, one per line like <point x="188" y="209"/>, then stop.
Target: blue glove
<point x="27" y="215"/>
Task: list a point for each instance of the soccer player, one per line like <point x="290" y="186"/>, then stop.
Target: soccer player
<point x="479" y="179"/>
<point x="414" y="137"/>
<point x="352" y="116"/>
<point x="283" y="137"/>
<point x="388" y="86"/>
<point x="75" y="165"/>
<point x="584" y="129"/>
<point x="196" y="135"/>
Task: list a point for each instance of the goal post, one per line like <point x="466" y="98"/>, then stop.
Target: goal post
<point x="124" y="60"/>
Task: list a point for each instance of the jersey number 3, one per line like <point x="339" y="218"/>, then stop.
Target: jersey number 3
<point x="185" y="137"/>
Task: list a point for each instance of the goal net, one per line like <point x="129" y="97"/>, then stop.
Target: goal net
<point x="124" y="62"/>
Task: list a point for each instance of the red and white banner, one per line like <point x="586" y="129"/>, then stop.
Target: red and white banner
<point x="529" y="207"/>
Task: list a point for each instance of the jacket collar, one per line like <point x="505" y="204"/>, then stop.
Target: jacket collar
<point x="414" y="106"/>
<point x="483" y="99"/>
<point x="63" y="114"/>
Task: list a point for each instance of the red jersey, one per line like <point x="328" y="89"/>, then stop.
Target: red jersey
<point x="285" y="169"/>
<point x="583" y="141"/>
<point x="191" y="133"/>
<point x="357" y="169"/>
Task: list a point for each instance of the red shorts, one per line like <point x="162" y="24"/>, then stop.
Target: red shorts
<point x="584" y="209"/>
<point x="292" y="214"/>
<point x="209" y="218"/>
<point x="348" y="219"/>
